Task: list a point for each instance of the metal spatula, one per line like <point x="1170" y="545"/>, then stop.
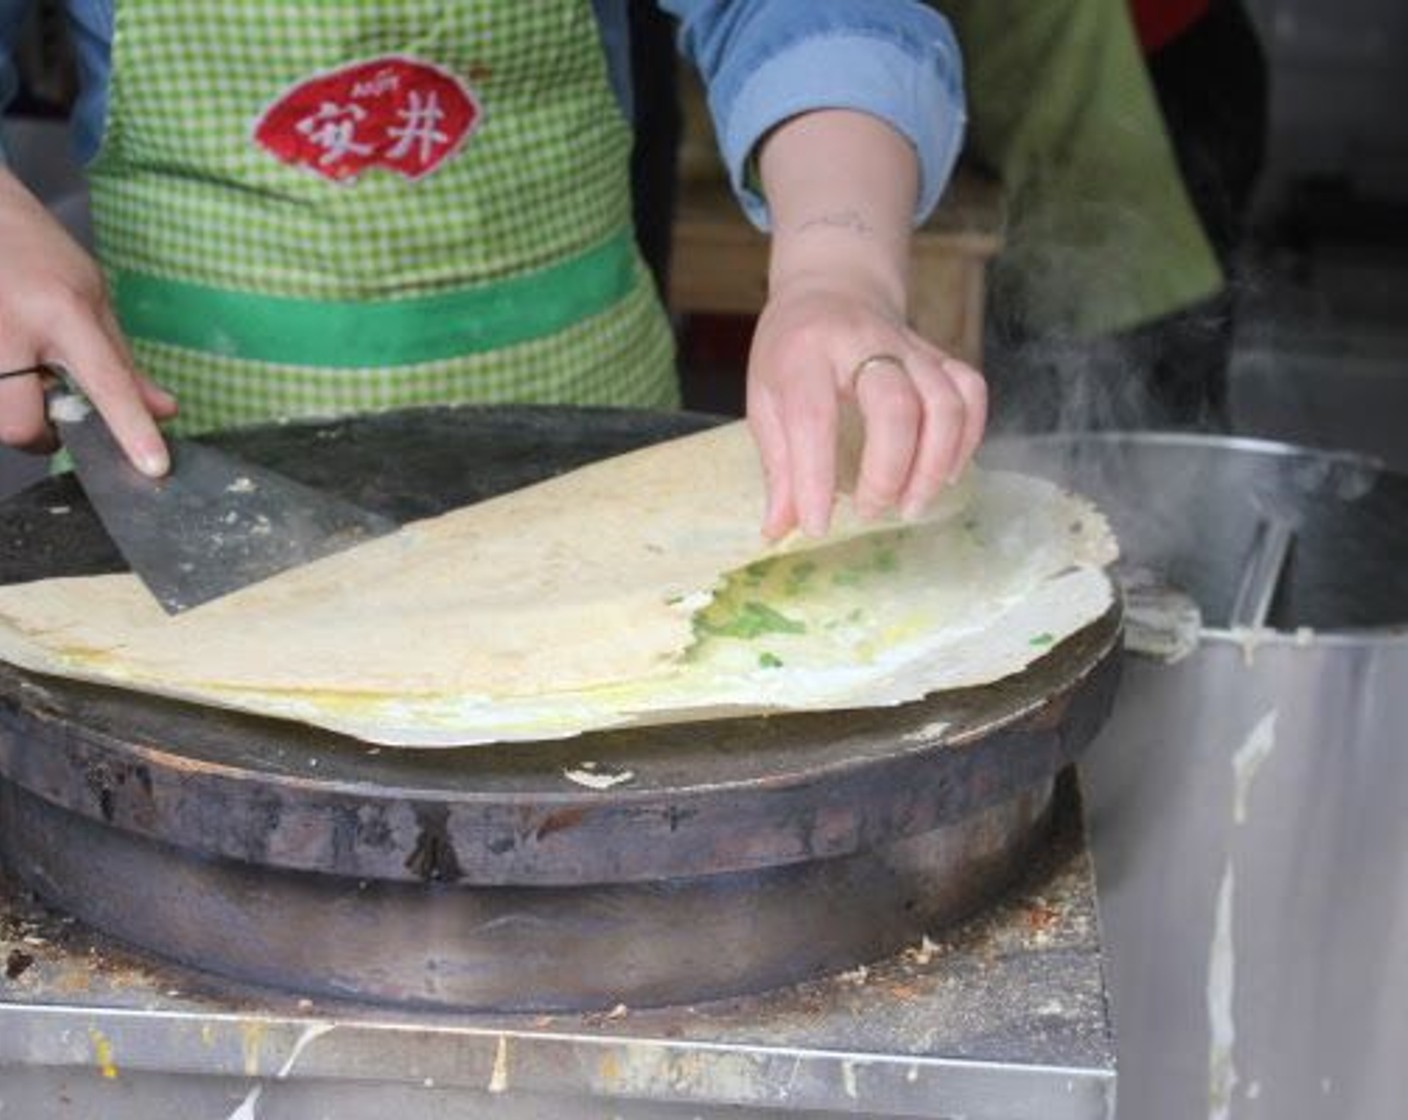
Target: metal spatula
<point x="214" y="524"/>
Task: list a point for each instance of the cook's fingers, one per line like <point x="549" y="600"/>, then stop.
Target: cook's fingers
<point x="893" y="411"/>
<point x="770" y="435"/>
<point x="810" y="408"/>
<point x="159" y="402"/>
<point x="973" y="388"/>
<point x="96" y="361"/>
<point x="23" y="424"/>
<point x="941" y="436"/>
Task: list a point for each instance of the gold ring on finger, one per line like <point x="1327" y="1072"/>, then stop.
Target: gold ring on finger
<point x="874" y="360"/>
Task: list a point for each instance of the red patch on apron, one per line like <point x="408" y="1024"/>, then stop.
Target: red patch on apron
<point x="393" y="112"/>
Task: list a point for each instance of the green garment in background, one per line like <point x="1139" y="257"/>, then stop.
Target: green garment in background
<point x="1101" y="235"/>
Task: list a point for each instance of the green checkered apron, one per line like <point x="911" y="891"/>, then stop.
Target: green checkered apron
<point x="315" y="207"/>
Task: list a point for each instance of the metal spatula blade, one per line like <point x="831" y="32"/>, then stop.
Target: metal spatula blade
<point x="214" y="524"/>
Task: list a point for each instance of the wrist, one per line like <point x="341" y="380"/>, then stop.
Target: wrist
<point x="881" y="285"/>
<point x="841" y="187"/>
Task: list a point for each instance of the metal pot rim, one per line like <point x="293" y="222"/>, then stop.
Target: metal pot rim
<point x="1308" y="636"/>
<point x="1199" y="439"/>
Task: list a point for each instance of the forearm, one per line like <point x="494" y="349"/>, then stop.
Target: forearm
<point x="841" y="188"/>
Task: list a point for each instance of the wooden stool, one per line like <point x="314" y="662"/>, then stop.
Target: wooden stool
<point x="719" y="261"/>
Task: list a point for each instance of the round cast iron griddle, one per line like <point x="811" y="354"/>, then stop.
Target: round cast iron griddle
<point x="483" y="876"/>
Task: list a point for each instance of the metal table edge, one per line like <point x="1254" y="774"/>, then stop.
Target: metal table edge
<point x="500" y="1057"/>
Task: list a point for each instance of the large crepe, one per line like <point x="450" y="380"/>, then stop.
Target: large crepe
<point x="636" y="589"/>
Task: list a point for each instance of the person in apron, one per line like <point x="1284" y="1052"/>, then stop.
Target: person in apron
<point x="318" y="209"/>
<point x="1109" y="292"/>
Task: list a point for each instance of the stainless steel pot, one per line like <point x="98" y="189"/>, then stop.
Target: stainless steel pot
<point x="1249" y="803"/>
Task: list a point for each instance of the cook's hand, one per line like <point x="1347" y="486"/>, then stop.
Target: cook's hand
<point x="54" y="309"/>
<point x="818" y="348"/>
<point x="841" y="186"/>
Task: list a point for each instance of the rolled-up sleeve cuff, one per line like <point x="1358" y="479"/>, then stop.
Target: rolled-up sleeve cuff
<point x="923" y="101"/>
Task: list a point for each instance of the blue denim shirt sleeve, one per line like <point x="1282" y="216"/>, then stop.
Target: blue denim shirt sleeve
<point x="763" y="61"/>
<point x="615" y="41"/>
<point x="91" y="24"/>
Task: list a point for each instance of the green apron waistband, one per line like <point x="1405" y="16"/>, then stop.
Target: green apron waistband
<point x="349" y="334"/>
